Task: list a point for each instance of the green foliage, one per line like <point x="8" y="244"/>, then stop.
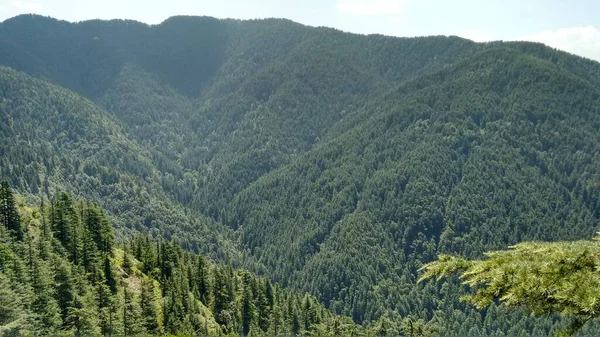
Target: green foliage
<point x="546" y="278"/>
<point x="334" y="164"/>
<point x="56" y="294"/>
<point x="9" y="216"/>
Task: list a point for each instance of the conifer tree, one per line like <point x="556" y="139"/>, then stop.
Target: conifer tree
<point x="148" y="307"/>
<point x="44" y="223"/>
<point x="547" y="278"/>
<point x="105" y="308"/>
<point x="82" y="314"/>
<point x="247" y="309"/>
<point x="201" y="282"/>
<point x="64" y="293"/>
<point x="127" y="263"/>
<point x="11" y="311"/>
<point x="44" y="306"/>
<point x="109" y="277"/>
<point x="66" y="226"/>
<point x="9" y="216"/>
<point x="131" y="314"/>
<point x="220" y="296"/>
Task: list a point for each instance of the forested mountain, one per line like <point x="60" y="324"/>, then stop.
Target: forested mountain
<point x="497" y="149"/>
<point x="332" y="163"/>
<point x="61" y="273"/>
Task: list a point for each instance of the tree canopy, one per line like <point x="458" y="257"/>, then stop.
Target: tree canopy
<point x="547" y="278"/>
<point x="330" y="163"/>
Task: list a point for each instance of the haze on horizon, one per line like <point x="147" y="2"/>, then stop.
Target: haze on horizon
<point x="570" y="26"/>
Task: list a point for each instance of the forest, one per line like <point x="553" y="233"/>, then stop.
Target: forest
<point x="63" y="273"/>
<point x="321" y="167"/>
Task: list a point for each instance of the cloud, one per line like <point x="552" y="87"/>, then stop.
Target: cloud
<point x="26" y="6"/>
<point x="372" y="7"/>
<point x="476" y="35"/>
<point x="583" y="41"/>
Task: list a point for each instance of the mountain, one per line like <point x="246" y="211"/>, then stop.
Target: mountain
<point x="332" y="163"/>
<point x="499" y="148"/>
<point x="61" y="274"/>
<point x="54" y="139"/>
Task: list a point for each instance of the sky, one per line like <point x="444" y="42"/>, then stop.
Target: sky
<point x="570" y="25"/>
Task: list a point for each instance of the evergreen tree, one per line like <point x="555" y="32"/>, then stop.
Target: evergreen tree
<point x="547" y="278"/>
<point x="45" y="308"/>
<point x="201" y="282"/>
<point x="9" y="216"/>
<point x="148" y="307"/>
<point x="131" y="314"/>
<point x="11" y="311"/>
<point x="127" y="262"/>
<point x="109" y="277"/>
<point x="247" y="309"/>
<point x="64" y="294"/>
<point x="105" y="299"/>
<point x="82" y="315"/>
<point x="47" y="291"/>
<point x="66" y="226"/>
<point x="220" y="296"/>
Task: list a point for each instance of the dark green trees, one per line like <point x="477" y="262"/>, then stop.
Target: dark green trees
<point x="68" y="278"/>
<point x="148" y="305"/>
<point x="9" y="217"/>
<point x="332" y="163"/>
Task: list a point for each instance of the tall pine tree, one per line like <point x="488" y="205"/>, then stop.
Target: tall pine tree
<point x="9" y="216"/>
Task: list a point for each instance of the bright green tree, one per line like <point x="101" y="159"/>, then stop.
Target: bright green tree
<point x="547" y="278"/>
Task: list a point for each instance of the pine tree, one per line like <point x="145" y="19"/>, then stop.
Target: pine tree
<point x="247" y="309"/>
<point x="66" y="226"/>
<point x="309" y="314"/>
<point x="201" y="284"/>
<point x="44" y="306"/>
<point x="127" y="263"/>
<point x="546" y="278"/>
<point x="109" y="276"/>
<point x="89" y="251"/>
<point x="82" y="316"/>
<point x="264" y="302"/>
<point x="105" y="309"/>
<point x="99" y="228"/>
<point x="11" y="311"/>
<point x="9" y="216"/>
<point x="64" y="293"/>
<point x="292" y="316"/>
<point x="276" y="320"/>
<point x="148" y="307"/>
<point x="221" y="296"/>
<point x="44" y="223"/>
<point x="131" y="314"/>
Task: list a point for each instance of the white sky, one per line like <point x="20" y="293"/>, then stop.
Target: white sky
<point x="571" y="25"/>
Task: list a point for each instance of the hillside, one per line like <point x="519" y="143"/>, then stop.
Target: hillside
<point x="53" y="139"/>
<point x="335" y="164"/>
<point x="62" y="274"/>
<point x="497" y="149"/>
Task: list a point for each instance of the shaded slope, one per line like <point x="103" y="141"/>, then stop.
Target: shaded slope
<point x="243" y="97"/>
<point x="499" y="148"/>
<point x="54" y="139"/>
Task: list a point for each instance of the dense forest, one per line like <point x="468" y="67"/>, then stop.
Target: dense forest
<point x="62" y="272"/>
<point x="329" y="163"/>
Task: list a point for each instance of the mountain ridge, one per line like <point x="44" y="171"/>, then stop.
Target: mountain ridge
<point x="333" y="163"/>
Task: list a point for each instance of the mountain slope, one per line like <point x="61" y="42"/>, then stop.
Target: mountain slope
<point x="333" y="163"/>
<point x="75" y="282"/>
<point x="500" y="148"/>
<point x="54" y="139"/>
<point x="236" y="93"/>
